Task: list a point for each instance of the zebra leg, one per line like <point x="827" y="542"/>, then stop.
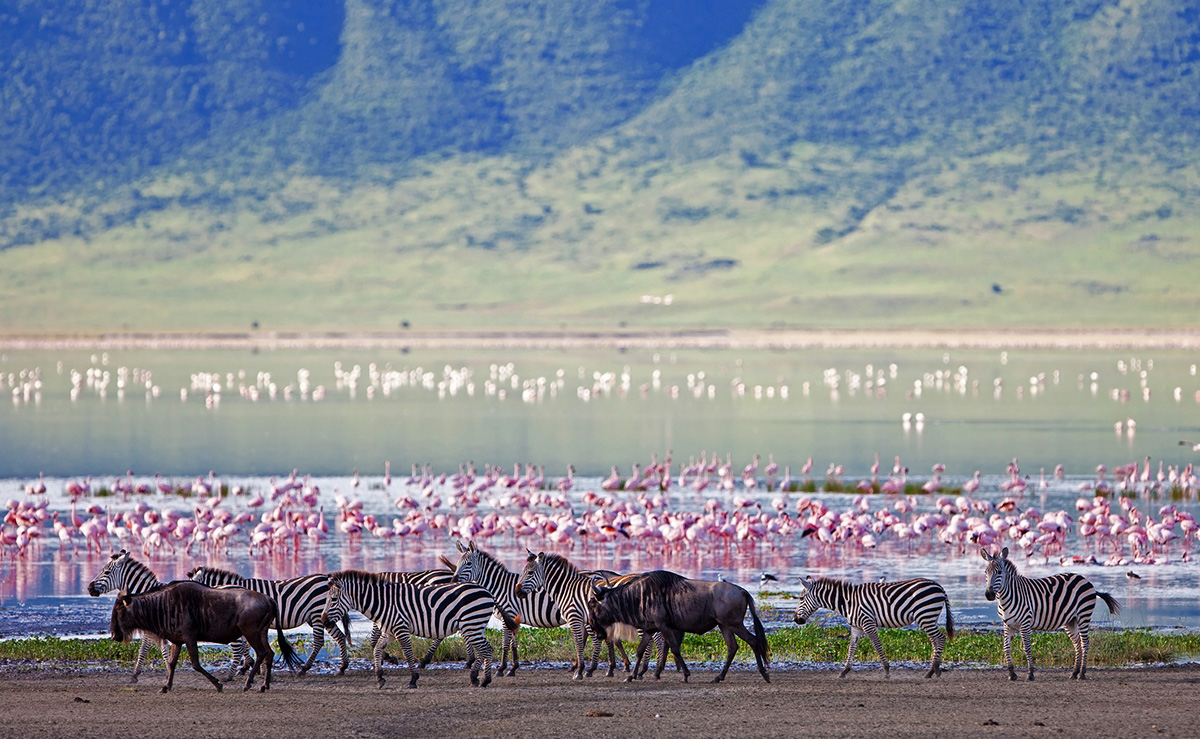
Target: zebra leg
<point x="343" y="644"/>
<point x="143" y="652"/>
<point x="318" y="642"/>
<point x="516" y="657"/>
<point x="937" y="640"/>
<point x="480" y="643"/>
<point x="405" y="638"/>
<point x="380" y="645"/>
<point x="1027" y="642"/>
<point x="579" y="631"/>
<point x="1008" y="639"/>
<point x="433" y="645"/>
<point x="373" y="639"/>
<point x="1083" y="650"/>
<point x="855" y="635"/>
<point x="172" y="660"/>
<point x="506" y="638"/>
<point x="1072" y="630"/>
<point x="873" y="635"/>
<point x="239" y="659"/>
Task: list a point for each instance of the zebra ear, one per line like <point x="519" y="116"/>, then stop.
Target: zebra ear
<point x="458" y="543"/>
<point x="471" y="545"/>
<point x="1004" y="553"/>
<point x="984" y="553"/>
<point x="532" y="556"/>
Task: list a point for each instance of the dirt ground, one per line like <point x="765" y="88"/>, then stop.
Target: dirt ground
<point x="545" y="702"/>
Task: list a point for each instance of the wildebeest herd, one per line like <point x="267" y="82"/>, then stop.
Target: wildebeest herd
<point x="655" y="607"/>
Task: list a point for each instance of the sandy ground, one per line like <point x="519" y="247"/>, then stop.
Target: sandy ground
<point x="545" y="702"/>
<point x="734" y="338"/>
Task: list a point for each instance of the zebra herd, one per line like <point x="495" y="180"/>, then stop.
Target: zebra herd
<point x="551" y="592"/>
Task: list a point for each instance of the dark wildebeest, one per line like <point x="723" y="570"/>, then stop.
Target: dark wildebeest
<point x="188" y="612"/>
<point x="670" y="604"/>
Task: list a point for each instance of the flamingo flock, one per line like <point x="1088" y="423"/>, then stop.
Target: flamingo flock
<point x="707" y="507"/>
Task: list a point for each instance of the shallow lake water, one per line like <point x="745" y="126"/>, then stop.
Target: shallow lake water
<point x="248" y="417"/>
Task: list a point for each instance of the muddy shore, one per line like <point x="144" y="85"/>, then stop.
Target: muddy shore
<point x="744" y="339"/>
<point x="52" y="702"/>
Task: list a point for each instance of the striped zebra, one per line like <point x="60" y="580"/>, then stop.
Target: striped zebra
<point x="570" y="590"/>
<point x="125" y="573"/>
<point x="420" y="578"/>
<point x="300" y="600"/>
<point x="1027" y="604"/>
<point x="881" y="604"/>
<point x="402" y="610"/>
<point x="535" y="609"/>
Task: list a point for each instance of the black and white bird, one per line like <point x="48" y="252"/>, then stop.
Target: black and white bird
<point x="1195" y="447"/>
<point x="1133" y="575"/>
<point x="765" y="578"/>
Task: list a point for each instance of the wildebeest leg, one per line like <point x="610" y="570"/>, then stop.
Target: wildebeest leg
<point x="171" y="662"/>
<point x="731" y="647"/>
<point x="263" y="655"/>
<point x="637" y="659"/>
<point x="194" y="653"/>
<point x="747" y="636"/>
<point x="674" y="641"/>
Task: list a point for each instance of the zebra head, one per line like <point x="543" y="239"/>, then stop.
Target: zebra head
<point x="999" y="568"/>
<point x="333" y="598"/>
<point x="533" y="577"/>
<point x="112" y="577"/>
<point x="469" y="568"/>
<point x="809" y="601"/>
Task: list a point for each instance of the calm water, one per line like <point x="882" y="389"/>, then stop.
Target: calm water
<point x="79" y="414"/>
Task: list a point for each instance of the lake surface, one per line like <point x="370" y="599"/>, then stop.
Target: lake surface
<point x="249" y="416"/>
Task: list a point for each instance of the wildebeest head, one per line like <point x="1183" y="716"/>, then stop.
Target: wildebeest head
<point x="998" y="570"/>
<point x="533" y="577"/>
<point x="120" y="613"/>
<point x="110" y="577"/>
<point x="810" y="600"/>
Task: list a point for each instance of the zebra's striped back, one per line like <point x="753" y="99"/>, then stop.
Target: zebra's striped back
<point x="421" y="578"/>
<point x="124" y="573"/>
<point x="885" y="604"/>
<point x="433" y="611"/>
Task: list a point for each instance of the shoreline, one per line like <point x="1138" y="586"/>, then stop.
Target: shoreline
<point x="702" y="339"/>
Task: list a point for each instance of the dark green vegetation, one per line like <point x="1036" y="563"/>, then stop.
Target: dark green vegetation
<point x="810" y="644"/>
<point x="458" y="163"/>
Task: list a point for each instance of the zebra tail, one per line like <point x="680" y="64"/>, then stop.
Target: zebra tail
<point x="1113" y="606"/>
<point x="760" y="634"/>
<point x="511" y="621"/>
<point x="949" y="622"/>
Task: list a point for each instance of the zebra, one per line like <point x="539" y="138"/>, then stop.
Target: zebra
<point x="1025" y="604"/>
<point x="421" y="578"/>
<point x="124" y="573"/>
<point x="402" y="610"/>
<point x="571" y="590"/>
<point x="881" y="604"/>
<point x="300" y="600"/>
<point x="535" y="609"/>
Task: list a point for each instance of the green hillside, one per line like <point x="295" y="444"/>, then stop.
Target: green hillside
<point x="448" y="163"/>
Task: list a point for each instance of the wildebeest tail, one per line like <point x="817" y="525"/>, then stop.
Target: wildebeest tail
<point x="1113" y="606"/>
<point x="760" y="634"/>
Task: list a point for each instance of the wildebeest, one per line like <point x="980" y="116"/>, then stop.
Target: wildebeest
<point x="188" y="613"/>
<point x="670" y="604"/>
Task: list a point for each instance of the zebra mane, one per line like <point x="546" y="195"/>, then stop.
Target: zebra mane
<point x="135" y="568"/>
<point x="488" y="558"/>
<point x="560" y="562"/>
<point x="358" y="575"/>
<point x="827" y="582"/>
<point x="227" y="574"/>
